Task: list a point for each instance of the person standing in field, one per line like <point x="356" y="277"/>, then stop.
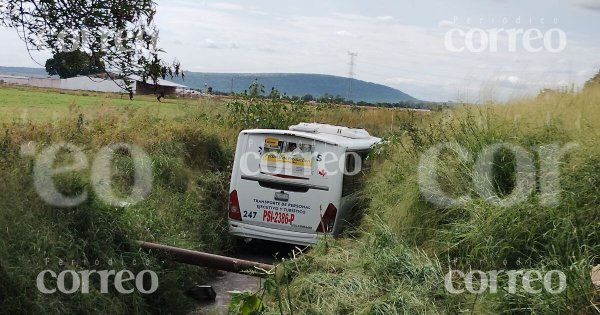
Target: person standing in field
<point x="161" y="96"/>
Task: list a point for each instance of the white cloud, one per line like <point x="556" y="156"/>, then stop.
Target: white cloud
<point x="385" y="18"/>
<point x="350" y="16"/>
<point x="586" y="73"/>
<point x="225" y="6"/>
<point x="211" y="43"/>
<point x="345" y="33"/>
<point x="259" y="12"/>
<point x="593" y="5"/>
<point x="513" y="79"/>
<point x="446" y="23"/>
<point x="233" y="44"/>
<point x="404" y="81"/>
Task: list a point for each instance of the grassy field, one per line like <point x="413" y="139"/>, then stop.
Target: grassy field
<point x="407" y="244"/>
<point x="35" y="105"/>
<point x="42" y="105"/>
<point x="393" y="262"/>
<point x="185" y="207"/>
<point x="190" y="143"/>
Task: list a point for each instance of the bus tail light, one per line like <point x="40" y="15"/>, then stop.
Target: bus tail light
<point x="234" y="207"/>
<point x="327" y="220"/>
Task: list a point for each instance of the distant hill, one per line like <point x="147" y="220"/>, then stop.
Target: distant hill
<point x="294" y="84"/>
<point x="297" y="84"/>
<point x="21" y="71"/>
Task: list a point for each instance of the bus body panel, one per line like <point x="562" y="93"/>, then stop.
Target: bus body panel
<point x="284" y="185"/>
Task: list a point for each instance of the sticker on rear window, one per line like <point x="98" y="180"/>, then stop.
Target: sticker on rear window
<point x="271" y="143"/>
<point x="286" y="157"/>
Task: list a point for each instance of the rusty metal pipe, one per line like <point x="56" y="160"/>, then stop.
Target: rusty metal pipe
<point x="202" y="259"/>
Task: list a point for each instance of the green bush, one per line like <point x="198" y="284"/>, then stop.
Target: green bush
<point x="262" y="113"/>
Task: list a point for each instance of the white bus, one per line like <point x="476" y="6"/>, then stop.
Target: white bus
<point x="295" y="185"/>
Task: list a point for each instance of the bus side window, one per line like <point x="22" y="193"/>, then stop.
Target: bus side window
<point x="355" y="163"/>
<point x="364" y="164"/>
<point x="350" y="182"/>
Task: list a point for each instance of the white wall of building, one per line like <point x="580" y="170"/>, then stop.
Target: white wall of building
<point x="92" y="84"/>
<point x="45" y="82"/>
<point x="82" y="83"/>
<point x="11" y="79"/>
<point x="31" y="81"/>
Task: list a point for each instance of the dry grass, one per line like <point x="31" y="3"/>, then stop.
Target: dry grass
<point x="475" y="235"/>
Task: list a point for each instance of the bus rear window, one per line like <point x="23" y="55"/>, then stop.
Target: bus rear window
<point x="276" y="146"/>
<point x="290" y="157"/>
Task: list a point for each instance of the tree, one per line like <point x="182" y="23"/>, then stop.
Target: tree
<point x="256" y="89"/>
<point x="74" y="63"/>
<point x="308" y="98"/>
<point x="326" y="98"/>
<point x="121" y="32"/>
<point x="338" y="99"/>
<point x="274" y="94"/>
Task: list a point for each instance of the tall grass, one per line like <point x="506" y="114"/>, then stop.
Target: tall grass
<point x="361" y="276"/>
<point x="247" y="113"/>
<point x="185" y="208"/>
<point x="190" y="144"/>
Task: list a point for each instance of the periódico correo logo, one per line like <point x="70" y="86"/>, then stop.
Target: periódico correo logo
<point x="530" y="281"/>
<point x="493" y="40"/>
<point x="71" y="281"/>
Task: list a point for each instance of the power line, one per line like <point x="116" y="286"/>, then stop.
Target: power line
<point x="351" y="73"/>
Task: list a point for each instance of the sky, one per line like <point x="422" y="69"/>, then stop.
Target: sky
<point x="421" y="47"/>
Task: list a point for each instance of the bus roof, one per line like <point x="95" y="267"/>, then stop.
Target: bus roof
<point x="351" y="144"/>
